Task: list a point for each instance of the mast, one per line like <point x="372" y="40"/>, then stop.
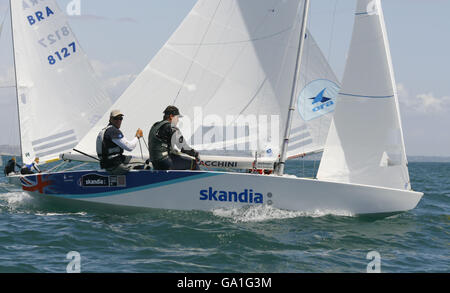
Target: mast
<point x="15" y="76"/>
<point x="287" y="133"/>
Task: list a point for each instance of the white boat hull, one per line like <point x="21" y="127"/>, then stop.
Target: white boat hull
<point x="187" y="190"/>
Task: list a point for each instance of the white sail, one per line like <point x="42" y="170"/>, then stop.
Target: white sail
<point x="317" y="91"/>
<point x="227" y="59"/>
<point x="58" y="94"/>
<point x="365" y="143"/>
<point x="1" y="26"/>
<point x="9" y="141"/>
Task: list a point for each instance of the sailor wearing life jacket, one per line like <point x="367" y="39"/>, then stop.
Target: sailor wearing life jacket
<point x="164" y="136"/>
<point x="29" y="169"/>
<point x="111" y="144"/>
<point x="10" y="167"/>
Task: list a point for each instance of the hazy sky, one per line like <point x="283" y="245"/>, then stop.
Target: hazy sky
<point x="121" y="37"/>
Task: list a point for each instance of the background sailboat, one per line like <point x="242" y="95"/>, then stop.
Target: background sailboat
<point x="58" y="94"/>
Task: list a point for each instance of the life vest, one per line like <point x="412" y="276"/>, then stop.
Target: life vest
<point x="108" y="152"/>
<point x="159" y="148"/>
<point x="10" y="167"/>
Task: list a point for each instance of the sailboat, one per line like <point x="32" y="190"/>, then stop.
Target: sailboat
<point x="58" y="95"/>
<point x="250" y="56"/>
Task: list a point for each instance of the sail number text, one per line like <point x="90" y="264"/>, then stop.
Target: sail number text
<point x="54" y="37"/>
<point x="62" y="54"/>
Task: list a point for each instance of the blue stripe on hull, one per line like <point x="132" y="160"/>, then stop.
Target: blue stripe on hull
<point x="69" y="185"/>
<point x="134" y="189"/>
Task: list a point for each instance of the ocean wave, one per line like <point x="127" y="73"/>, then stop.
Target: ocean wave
<point x="60" y="214"/>
<point x="14" y="199"/>
<point x="267" y="213"/>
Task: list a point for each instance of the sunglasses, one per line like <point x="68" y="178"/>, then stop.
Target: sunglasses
<point x="120" y="118"/>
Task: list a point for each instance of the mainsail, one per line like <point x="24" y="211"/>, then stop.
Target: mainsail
<point x="365" y="143"/>
<point x="9" y="141"/>
<point x="58" y="93"/>
<point x="229" y="67"/>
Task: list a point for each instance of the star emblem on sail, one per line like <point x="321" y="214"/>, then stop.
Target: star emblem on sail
<point x="320" y="97"/>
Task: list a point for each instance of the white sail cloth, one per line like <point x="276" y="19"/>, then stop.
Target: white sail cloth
<point x="1" y="26"/>
<point x="365" y="143"/>
<point x="59" y="95"/>
<point x="229" y="68"/>
<point x="9" y="140"/>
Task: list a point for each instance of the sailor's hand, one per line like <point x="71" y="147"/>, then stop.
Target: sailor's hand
<point x="191" y="152"/>
<point x="195" y="154"/>
<point x="139" y="133"/>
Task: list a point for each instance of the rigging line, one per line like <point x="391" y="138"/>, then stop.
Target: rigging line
<point x="332" y="30"/>
<point x="304" y="75"/>
<point x="252" y="99"/>
<point x="75" y="167"/>
<point x="15" y="76"/>
<point x="259" y="89"/>
<point x="56" y="167"/>
<point x="197" y="51"/>
<point x="321" y="122"/>
<point x="235" y="42"/>
<point x="145" y="143"/>
<point x="213" y="58"/>
<point x="303" y="78"/>
<point x="257" y="28"/>
<point x="140" y="147"/>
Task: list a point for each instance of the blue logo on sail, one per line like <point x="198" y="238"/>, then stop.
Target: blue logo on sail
<point x="317" y="98"/>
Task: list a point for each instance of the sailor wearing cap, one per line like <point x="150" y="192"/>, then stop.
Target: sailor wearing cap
<point x="164" y="138"/>
<point x="11" y="166"/>
<point x="111" y="144"/>
<point x="27" y="169"/>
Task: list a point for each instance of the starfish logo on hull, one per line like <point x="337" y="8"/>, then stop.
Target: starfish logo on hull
<point x="317" y="99"/>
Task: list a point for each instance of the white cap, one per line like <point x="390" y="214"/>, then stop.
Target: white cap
<point x="115" y="113"/>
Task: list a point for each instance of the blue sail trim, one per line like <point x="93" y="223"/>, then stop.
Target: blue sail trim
<point x="362" y="96"/>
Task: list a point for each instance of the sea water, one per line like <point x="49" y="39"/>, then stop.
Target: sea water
<point x="41" y="235"/>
